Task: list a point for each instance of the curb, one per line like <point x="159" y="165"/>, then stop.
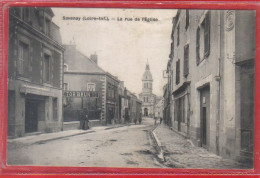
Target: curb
<point x="160" y="154"/>
<point x="49" y="139"/>
<point x="57" y="138"/>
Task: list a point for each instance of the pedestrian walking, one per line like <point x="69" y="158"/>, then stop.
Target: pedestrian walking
<point x="155" y="120"/>
<point x="135" y="120"/>
<point x="160" y="120"/>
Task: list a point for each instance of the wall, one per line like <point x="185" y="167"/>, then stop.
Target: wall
<point x="78" y="82"/>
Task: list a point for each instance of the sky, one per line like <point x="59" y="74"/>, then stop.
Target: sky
<point x="123" y="47"/>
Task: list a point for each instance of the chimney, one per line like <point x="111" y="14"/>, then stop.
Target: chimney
<point x="93" y="57"/>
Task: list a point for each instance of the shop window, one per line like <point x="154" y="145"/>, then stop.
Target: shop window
<point x="203" y="39"/>
<point x="46" y="68"/>
<point x="179" y="110"/>
<point x="23" y="59"/>
<point x="186" y="61"/>
<point x="55" y="108"/>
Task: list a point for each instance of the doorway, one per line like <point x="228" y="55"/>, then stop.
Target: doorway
<point x="205" y="116"/>
<point x="247" y="88"/>
<point x="145" y="112"/>
<point x="31" y="116"/>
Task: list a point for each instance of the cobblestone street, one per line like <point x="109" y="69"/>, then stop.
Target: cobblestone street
<point x="181" y="153"/>
<point x="121" y="146"/>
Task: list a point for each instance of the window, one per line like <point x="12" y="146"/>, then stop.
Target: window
<point x="65" y="86"/>
<point x="46" y="68"/>
<point x="203" y="39"/>
<point x="186" y="61"/>
<point x="47" y="27"/>
<point x="171" y="84"/>
<point x="172" y="49"/>
<point x="91" y="87"/>
<point x="23" y="59"/>
<point x="179" y="110"/>
<point x="178" y="35"/>
<point x="187" y="19"/>
<point x="65" y="67"/>
<point x="207" y="35"/>
<point x="177" y="72"/>
<point x="55" y="108"/>
<point x="111" y="91"/>
<point x="25" y="14"/>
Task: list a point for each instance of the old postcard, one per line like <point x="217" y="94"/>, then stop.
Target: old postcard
<point x="146" y="88"/>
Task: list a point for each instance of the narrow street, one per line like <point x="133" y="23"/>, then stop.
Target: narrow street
<point x="127" y="146"/>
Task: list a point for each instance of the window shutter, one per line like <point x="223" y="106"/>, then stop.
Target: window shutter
<point x="186" y="61"/>
<point x="178" y="35"/>
<point x="207" y="35"/>
<point x="178" y="71"/>
<point x="198" y="46"/>
<point x="187" y="19"/>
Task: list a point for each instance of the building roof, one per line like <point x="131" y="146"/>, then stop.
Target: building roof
<point x="78" y="62"/>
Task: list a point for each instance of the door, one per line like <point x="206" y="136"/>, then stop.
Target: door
<point x="145" y="112"/>
<point x="179" y="115"/>
<point x="204" y="127"/>
<point x="205" y="116"/>
<point x="247" y="110"/>
<point x="31" y="116"/>
<point x="126" y="115"/>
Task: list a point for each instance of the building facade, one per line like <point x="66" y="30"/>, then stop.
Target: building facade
<point x="35" y="74"/>
<point x="83" y="74"/>
<point x="146" y="96"/>
<point x="211" y="80"/>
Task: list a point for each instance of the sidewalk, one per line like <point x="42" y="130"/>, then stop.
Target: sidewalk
<point x="44" y="137"/>
<point x="181" y="153"/>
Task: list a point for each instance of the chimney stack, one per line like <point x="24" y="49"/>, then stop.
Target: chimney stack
<point x="93" y="57"/>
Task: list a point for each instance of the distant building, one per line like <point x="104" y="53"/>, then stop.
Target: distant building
<point x="159" y="108"/>
<point x="35" y="74"/>
<point x="211" y="80"/>
<point x="82" y="73"/>
<point x="147" y="97"/>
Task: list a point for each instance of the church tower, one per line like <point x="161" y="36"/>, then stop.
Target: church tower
<point x="146" y="96"/>
<point x="147" y="80"/>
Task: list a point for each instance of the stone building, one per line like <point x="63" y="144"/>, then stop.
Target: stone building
<point x="211" y="80"/>
<point x="35" y="74"/>
<point x="146" y="96"/>
<point x="83" y="74"/>
<point x="159" y="108"/>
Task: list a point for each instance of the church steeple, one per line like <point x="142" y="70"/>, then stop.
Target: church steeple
<point x="147" y="80"/>
<point x="147" y="66"/>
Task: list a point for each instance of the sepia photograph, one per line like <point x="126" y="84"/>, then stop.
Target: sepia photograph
<point x="131" y="88"/>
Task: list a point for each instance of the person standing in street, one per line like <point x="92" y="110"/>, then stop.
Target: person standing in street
<point x="84" y="119"/>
